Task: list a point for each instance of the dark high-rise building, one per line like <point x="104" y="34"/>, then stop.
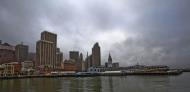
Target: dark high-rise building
<point x="86" y="62"/>
<point x="96" y="55"/>
<point x="79" y="62"/>
<point x="46" y="50"/>
<point x="59" y="57"/>
<point x="74" y="55"/>
<point x="21" y="52"/>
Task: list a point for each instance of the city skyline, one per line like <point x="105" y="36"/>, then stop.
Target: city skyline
<point x="148" y="32"/>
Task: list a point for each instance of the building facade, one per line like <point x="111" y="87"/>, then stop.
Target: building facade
<point x="59" y="58"/>
<point x="74" y="55"/>
<point x="21" y="52"/>
<point x="115" y="65"/>
<point x="69" y="65"/>
<point x="31" y="56"/>
<point x="79" y="62"/>
<point x="97" y="69"/>
<point x="7" y="53"/>
<point x="46" y="51"/>
<point x="11" y="69"/>
<point x="96" y="55"/>
<point x="78" y="59"/>
<point x="27" y="67"/>
<point x="88" y="62"/>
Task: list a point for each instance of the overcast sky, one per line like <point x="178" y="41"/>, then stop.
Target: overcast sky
<point x="150" y="32"/>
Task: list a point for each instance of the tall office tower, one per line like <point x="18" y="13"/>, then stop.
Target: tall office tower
<point x="46" y="50"/>
<point x="109" y="61"/>
<point x="86" y="62"/>
<point x="59" y="58"/>
<point x="74" y="55"/>
<point x="48" y="36"/>
<point x="21" y="52"/>
<point x="79" y="62"/>
<point x="96" y="55"/>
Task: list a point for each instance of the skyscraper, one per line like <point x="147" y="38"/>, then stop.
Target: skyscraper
<point x="21" y="52"/>
<point x="59" y="57"/>
<point x="79" y="62"/>
<point x="74" y="55"/>
<point x="46" y="50"/>
<point x="48" y="36"/>
<point x="96" y="55"/>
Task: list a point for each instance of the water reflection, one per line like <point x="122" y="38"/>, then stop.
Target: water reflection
<point x="89" y="84"/>
<point x="99" y="84"/>
<point x="136" y="84"/>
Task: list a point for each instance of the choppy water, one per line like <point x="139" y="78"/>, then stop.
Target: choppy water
<point x="179" y="83"/>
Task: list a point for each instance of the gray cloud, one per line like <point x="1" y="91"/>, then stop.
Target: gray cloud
<point x="147" y="31"/>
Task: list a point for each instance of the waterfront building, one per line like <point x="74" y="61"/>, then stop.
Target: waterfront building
<point x="21" y="52"/>
<point x="115" y="65"/>
<point x="11" y="69"/>
<point x="46" y="51"/>
<point x="110" y="65"/>
<point x="8" y="69"/>
<point x="96" y="55"/>
<point x="143" y="68"/>
<point x="27" y="67"/>
<point x="7" y="53"/>
<point x="69" y="65"/>
<point x="96" y="69"/>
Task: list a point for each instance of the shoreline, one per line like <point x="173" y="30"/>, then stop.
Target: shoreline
<point x="94" y="75"/>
